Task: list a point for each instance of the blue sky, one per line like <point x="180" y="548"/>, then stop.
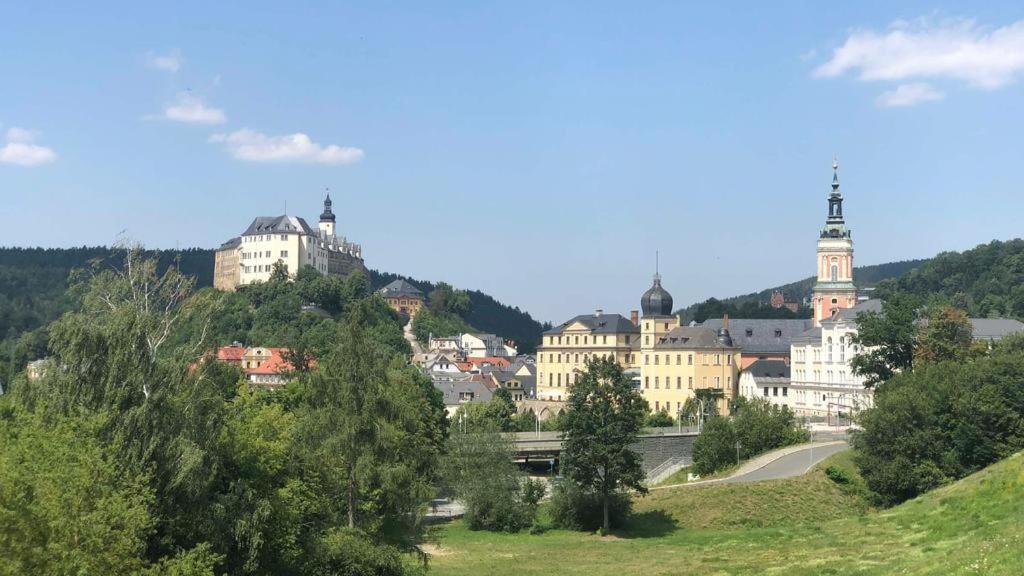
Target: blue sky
<point x="541" y="152"/>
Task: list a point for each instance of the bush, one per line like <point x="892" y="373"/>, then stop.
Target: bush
<point x="350" y="552"/>
<point x="575" y="509"/>
<point x="838" y="475"/>
<point x="761" y="426"/>
<point x="658" y="419"/>
<point x="941" y="422"/>
<point x="505" y="512"/>
<point x="715" y="448"/>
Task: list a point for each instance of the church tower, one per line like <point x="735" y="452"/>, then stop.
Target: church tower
<point x="834" y="289"/>
<point x="327" y="218"/>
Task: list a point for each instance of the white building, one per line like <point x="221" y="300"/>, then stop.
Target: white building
<point x="485" y="345"/>
<point x="287" y="240"/>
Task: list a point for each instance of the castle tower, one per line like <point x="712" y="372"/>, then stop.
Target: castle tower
<point x="657" y="320"/>
<point x="834" y="289"/>
<point x="327" y="218"/>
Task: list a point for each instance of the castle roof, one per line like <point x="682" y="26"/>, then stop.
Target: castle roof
<point x="599" y="324"/>
<point x="279" y="225"/>
<point x="762" y="336"/>
<point x="690" y="337"/>
<point x="401" y="288"/>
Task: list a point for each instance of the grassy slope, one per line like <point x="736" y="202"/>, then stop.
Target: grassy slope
<point x="800" y="526"/>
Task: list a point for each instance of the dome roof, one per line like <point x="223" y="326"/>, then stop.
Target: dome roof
<point x="656" y="301"/>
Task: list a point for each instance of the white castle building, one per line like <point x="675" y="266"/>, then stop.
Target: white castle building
<point x="287" y="240"/>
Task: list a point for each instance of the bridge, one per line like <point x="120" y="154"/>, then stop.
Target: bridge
<point x="657" y="446"/>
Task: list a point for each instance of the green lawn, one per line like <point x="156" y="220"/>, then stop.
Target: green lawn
<point x="806" y="525"/>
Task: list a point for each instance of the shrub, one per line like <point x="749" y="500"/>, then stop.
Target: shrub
<point x="715" y="448"/>
<point x="838" y="475"/>
<point x="348" y="551"/>
<point x="761" y="426"/>
<point x="575" y="509"/>
<point x="658" y="419"/>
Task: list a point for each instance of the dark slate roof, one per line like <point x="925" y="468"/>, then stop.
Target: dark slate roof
<point x="603" y="324"/>
<point x="279" y="225"/>
<point x="401" y="288"/>
<point x="812" y="335"/>
<point x="690" y="337"/>
<point x="529" y="384"/>
<point x="994" y="328"/>
<point x="233" y="243"/>
<point x="451" y="390"/>
<point x="872" y="305"/>
<point x="768" y="369"/>
<point x="762" y="337"/>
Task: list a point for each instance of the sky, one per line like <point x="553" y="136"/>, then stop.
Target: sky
<point x="541" y="152"/>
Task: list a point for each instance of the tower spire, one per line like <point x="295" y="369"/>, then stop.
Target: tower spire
<point x="657" y="274"/>
<point x="835" y="174"/>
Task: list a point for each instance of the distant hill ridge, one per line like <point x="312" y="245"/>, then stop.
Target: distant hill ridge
<point x="33" y="282"/>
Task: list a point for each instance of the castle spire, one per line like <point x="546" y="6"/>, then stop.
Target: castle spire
<point x="835" y="174"/>
<point x="327" y="215"/>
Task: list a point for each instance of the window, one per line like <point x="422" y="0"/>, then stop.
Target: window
<point x="584" y="340"/>
<point x="559" y="379"/>
<point x="647" y="359"/>
<point x="689" y="359"/>
<point x="775" y="391"/>
<point x="718" y="381"/>
<point x="749" y="332"/>
<point x="842" y="349"/>
<point x="785" y="391"/>
<point x="604" y="339"/>
<point x="778" y="333"/>
<point x="679" y="382"/>
<point x="666" y="325"/>
<point x="656" y="406"/>
<point x="577" y="339"/>
<point x="647" y="381"/>
<point x="647" y="339"/>
<point x="718" y="359"/>
<point x="765" y="390"/>
<point x="689" y="382"/>
<point x="656" y="382"/>
<point x="655" y="359"/>
<point x="284" y="236"/>
<point x="835" y="272"/>
<point x="829" y="349"/>
<point x="577" y="360"/>
<point x="679" y="359"/>
<point x="728" y="358"/>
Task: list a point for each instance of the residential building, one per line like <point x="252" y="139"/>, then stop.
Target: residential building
<point x="778" y="300"/>
<point x="464" y="389"/>
<point x="403" y="297"/>
<point x="263" y="365"/>
<point x="768" y="379"/>
<point x="286" y="241"/>
<point x="485" y="345"/>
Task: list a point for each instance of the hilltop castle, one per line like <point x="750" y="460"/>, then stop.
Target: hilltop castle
<point x="289" y="240"/>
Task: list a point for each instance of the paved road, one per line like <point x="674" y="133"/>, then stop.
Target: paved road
<point x="795" y="464"/>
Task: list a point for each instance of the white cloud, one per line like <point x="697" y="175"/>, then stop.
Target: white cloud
<point x="19" y="148"/>
<point x="909" y="94"/>
<point x="952" y="50"/>
<point x="170" y="62"/>
<point x="191" y="109"/>
<point x="252" y="146"/>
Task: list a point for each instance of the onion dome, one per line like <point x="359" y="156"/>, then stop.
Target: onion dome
<point x="656" y="301"/>
<point x="327" y="215"/>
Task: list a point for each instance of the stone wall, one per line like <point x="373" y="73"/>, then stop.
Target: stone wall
<point x="656" y="450"/>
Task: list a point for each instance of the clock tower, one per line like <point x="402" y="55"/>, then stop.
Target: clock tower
<point x="834" y="289"/>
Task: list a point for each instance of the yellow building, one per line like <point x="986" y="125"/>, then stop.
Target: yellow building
<point x="672" y="361"/>
<point x="565" y="349"/>
<point x="403" y="297"/>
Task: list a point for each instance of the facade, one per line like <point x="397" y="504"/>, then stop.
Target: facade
<point x="287" y="241"/>
<point x="669" y="362"/>
<point x="263" y="366"/>
<point x="767" y="379"/>
<point x="778" y="300"/>
<point x="403" y="297"/>
<point x="834" y="289"/>
<point x="485" y="345"/>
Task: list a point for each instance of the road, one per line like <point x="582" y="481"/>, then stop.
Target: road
<point x="794" y="464"/>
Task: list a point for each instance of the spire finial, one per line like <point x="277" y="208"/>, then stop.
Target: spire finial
<point x="657" y="274"/>
<point x="835" y="174"/>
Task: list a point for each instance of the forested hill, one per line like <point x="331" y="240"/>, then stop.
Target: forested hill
<point x="755" y="305"/>
<point x="33" y="282"/>
<point x="986" y="281"/>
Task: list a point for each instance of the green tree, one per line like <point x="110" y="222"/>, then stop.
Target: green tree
<point x="946" y="335"/>
<point x="480" y="472"/>
<point x="888" y="338"/>
<point x="761" y="426"/>
<point x="603" y="417"/>
<point x="715" y="447"/>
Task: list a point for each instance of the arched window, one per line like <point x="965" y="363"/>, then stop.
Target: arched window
<point x="835" y="272"/>
<point x="828" y="353"/>
<point x="842" y="349"/>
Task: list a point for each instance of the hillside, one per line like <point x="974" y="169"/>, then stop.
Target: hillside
<point x="864" y="276"/>
<point x="797" y="526"/>
<point x="33" y="282"/>
<point x="986" y="281"/>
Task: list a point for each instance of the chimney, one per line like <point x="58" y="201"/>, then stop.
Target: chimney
<point x="598" y="312"/>
<point x="725" y="321"/>
<point x="634" y="317"/>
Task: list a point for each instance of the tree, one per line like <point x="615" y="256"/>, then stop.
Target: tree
<point x="888" y="338"/>
<point x="372" y="428"/>
<point x="715" y="448"/>
<point x="942" y="421"/>
<point x="603" y="417"/>
<point x="480" y="472"/>
<point x="658" y="419"/>
<point x="945" y="335"/>
<point x="761" y="426"/>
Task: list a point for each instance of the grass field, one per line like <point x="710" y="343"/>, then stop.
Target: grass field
<point x="806" y="525"/>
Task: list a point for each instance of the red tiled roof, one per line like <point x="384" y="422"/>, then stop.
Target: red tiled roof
<point x="230" y="353"/>
<point x="276" y="364"/>
<point x="492" y="360"/>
